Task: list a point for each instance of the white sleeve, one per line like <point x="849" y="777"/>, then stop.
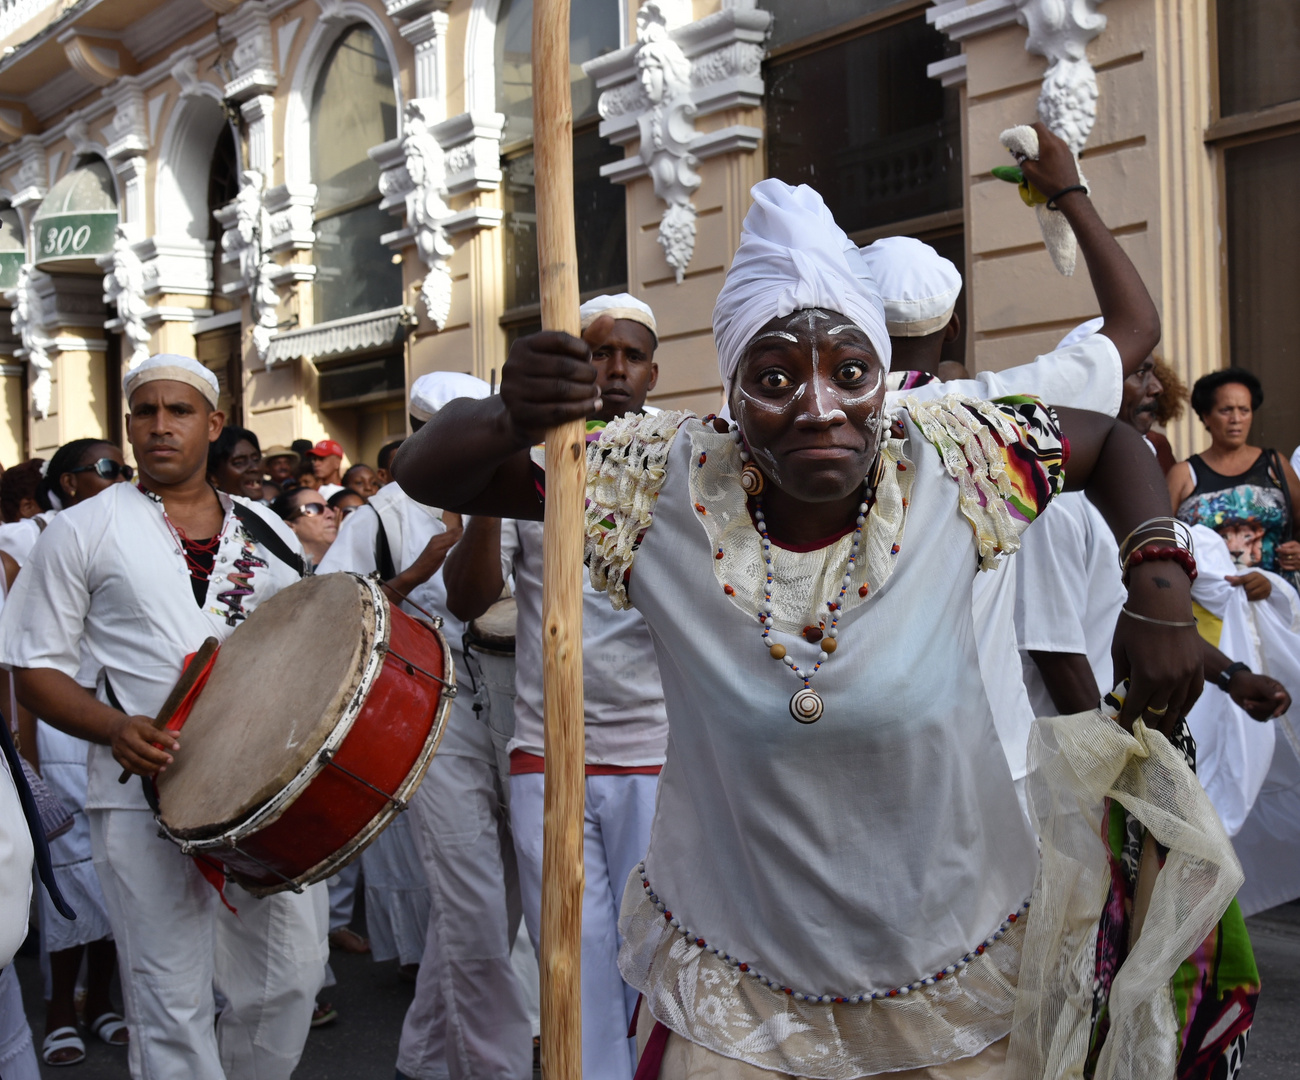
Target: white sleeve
<point x="1051" y="583"/>
<point x="354" y="547"/>
<point x="45" y="614"/>
<point x="1295" y="459"/>
<point x="1086" y="375"/>
<point x="509" y="547"/>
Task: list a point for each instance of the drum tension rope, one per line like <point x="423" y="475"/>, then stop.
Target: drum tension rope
<point x="326" y="757"/>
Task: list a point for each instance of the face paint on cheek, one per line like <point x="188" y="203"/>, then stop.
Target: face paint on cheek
<point x="868" y="394"/>
<point x="747" y="399"/>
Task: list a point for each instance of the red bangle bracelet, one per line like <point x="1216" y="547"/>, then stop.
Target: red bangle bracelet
<point x="1155" y="553"/>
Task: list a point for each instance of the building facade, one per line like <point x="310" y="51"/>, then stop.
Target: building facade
<point x="323" y="199"/>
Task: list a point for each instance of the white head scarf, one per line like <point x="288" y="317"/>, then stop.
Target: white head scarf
<point x="619" y="306"/>
<point x="792" y="256"/>
<point x="176" y="368"/>
<point x="1080" y="332"/>
<point x="919" y="286"/>
<point x="431" y="392"/>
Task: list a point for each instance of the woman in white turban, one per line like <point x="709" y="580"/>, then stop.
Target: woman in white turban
<point x="839" y="869"/>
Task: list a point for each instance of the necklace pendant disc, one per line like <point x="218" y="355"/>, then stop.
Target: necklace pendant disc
<point x="806" y="706"/>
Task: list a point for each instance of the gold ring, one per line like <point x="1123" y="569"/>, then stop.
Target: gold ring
<point x="1157" y="712"/>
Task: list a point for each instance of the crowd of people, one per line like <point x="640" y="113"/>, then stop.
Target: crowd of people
<point x="818" y="629"/>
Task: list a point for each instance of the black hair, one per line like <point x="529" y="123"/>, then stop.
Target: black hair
<point x="1208" y="385"/>
<point x="354" y="468"/>
<point x="384" y="459"/>
<point x="222" y="448"/>
<point x="336" y="500"/>
<point x="18" y="483"/>
<point x="286" y="502"/>
<point x="303" y="446"/>
<point x="69" y="456"/>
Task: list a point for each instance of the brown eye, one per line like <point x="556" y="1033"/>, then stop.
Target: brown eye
<point x="774" y="380"/>
<point x="851" y="372"/>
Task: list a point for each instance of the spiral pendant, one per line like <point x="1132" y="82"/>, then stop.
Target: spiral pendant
<point x="806" y="706"/>
<point x="751" y="480"/>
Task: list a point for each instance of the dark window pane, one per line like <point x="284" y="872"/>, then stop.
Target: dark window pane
<point x="367" y="380"/>
<point x="1263" y="269"/>
<point x="793" y="20"/>
<point x="862" y="123"/>
<point x="1259" y="54"/>
<point x="599" y="211"/>
<point x="355" y="273"/>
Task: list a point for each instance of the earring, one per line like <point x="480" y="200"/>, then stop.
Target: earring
<point x="752" y="480"/>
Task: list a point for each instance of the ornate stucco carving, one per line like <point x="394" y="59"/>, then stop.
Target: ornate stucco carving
<point x="654" y="91"/>
<point x="427" y="210"/>
<point x="124" y="286"/>
<point x="28" y="320"/>
<point x="245" y="241"/>
<point x="1067" y="102"/>
<point x="252" y="61"/>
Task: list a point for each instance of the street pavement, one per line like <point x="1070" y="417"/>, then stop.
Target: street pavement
<point x="372" y="999"/>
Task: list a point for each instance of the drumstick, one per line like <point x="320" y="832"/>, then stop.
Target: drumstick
<point x="183" y="686"/>
<point x="566" y="477"/>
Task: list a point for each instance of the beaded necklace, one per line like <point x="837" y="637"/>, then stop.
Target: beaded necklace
<point x="200" y="567"/>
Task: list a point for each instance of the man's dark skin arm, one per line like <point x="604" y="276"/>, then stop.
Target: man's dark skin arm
<point x="1131" y="319"/>
<point x="473" y="570"/>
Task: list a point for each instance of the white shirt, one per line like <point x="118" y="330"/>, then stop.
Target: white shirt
<point x="109" y="573"/>
<point x="17" y="538"/>
<point x="409" y="526"/>
<point x="626" y="723"/>
<point x="1069" y="592"/>
<point x="16" y="857"/>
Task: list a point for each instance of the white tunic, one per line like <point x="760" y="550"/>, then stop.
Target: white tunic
<point x="626" y="723"/>
<point x="109" y="572"/>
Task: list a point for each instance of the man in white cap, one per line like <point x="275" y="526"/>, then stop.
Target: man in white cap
<point x="137" y="579"/>
<point x="468" y="1020"/>
<point x="626" y="726"/>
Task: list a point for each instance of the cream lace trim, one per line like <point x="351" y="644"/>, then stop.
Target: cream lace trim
<point x="804" y="580"/>
<point x="705" y="999"/>
<point x="626" y="468"/>
<point x="974" y="459"/>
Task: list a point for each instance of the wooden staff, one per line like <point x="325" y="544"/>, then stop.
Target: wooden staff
<point x="566" y="474"/>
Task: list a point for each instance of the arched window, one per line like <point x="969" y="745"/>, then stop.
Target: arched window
<point x="354" y="107"/>
<point x="599" y="205"/>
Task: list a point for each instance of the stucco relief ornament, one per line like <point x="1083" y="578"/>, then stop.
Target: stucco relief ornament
<point x="667" y="130"/>
<point x="255" y="264"/>
<point x="124" y="290"/>
<point x="30" y="328"/>
<point x="426" y="210"/>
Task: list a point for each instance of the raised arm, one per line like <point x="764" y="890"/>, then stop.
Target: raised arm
<point x="1163" y="663"/>
<point x="1131" y="319"/>
<point x="472" y="457"/>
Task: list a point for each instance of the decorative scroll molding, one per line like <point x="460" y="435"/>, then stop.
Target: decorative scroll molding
<point x="1060" y="32"/>
<point x="32" y="180"/>
<point x="427" y="211"/>
<point x="128" y="131"/>
<point x="654" y="90"/>
<point x="28" y="320"/>
<point x="99" y="60"/>
<point x="16" y="120"/>
<point x="247" y="225"/>
<point x="472" y="144"/>
<point x="253" y="60"/>
<point x="368" y="331"/>
<point x="292" y="217"/>
<point x="124" y="285"/>
<point x="176" y="265"/>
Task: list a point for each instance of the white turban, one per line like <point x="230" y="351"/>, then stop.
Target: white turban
<point x="1080" y="332"/>
<point x="431" y="392"/>
<point x="174" y="368"/>
<point x="792" y="256"/>
<point x="919" y="286"/>
<point x="619" y="306"/>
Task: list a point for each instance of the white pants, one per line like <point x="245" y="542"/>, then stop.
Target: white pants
<point x="176" y="942"/>
<point x="468" y="1020"/>
<point x="17" y="1054"/>
<point x="343" y="895"/>
<point x="616" y="834"/>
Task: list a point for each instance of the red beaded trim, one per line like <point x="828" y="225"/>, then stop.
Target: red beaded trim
<point x="1157" y="553"/>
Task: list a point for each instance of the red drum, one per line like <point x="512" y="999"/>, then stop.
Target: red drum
<point x="315" y="726"/>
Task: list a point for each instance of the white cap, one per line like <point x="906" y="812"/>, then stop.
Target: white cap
<point x="1083" y="330"/>
<point x="619" y="306"/>
<point x="918" y="285"/>
<point x="176" y="368"/>
<point x="431" y="392"/>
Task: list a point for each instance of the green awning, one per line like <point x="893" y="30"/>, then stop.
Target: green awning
<point x="77" y="220"/>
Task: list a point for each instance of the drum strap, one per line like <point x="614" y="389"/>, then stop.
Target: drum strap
<point x="383" y="552"/>
<point x="267" y="537"/>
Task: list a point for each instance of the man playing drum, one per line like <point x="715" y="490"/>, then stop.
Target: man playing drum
<point x="468" y="1020"/>
<point x="626" y="726"/>
<point x="141" y="576"/>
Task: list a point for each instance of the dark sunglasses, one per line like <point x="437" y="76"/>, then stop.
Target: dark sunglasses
<point x="107" y="469"/>
<point x="312" y="509"/>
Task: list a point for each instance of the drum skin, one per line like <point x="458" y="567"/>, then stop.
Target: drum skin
<point x="334" y="815"/>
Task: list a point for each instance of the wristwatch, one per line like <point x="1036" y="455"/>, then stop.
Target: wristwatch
<point x="1225" y="676"/>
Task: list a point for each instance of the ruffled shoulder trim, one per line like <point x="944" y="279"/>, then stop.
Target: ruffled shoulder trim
<point x="1008" y="457"/>
<point x="626" y="468"/>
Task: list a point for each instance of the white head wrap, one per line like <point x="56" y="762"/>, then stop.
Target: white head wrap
<point x="431" y="392"/>
<point x="919" y="286"/>
<point x="792" y="256"/>
<point x="1083" y="330"/>
<point x="619" y="306"/>
<point x="176" y="368"/>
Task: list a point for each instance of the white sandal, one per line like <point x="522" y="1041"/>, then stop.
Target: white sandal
<point x="108" y="1026"/>
<point x="64" y="1038"/>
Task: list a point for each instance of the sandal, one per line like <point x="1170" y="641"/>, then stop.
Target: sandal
<point x="349" y="940"/>
<point x="323" y="1014"/>
<point x="64" y="1038"/>
<point x="111" y="1028"/>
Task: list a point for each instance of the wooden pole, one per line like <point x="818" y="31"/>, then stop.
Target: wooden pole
<point x="566" y="474"/>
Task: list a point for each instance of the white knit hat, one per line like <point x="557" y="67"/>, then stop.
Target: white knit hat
<point x="619" y="306"/>
<point x="919" y="286"/>
<point x="431" y="392"/>
<point x="176" y="368"/>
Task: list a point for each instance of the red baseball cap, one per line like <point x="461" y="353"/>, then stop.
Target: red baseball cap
<point x="326" y="448"/>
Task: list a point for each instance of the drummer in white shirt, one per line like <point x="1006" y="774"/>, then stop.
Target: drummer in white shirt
<point x="468" y="1020"/>
<point x="139" y="575"/>
<point x="626" y="724"/>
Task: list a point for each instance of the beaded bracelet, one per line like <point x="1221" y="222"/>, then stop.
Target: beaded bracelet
<point x="1156" y="529"/>
<point x="1155" y="553"/>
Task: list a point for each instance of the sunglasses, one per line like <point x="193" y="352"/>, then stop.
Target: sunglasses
<point x="107" y="469"/>
<point x="344" y="511"/>
<point x="311" y="509"/>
